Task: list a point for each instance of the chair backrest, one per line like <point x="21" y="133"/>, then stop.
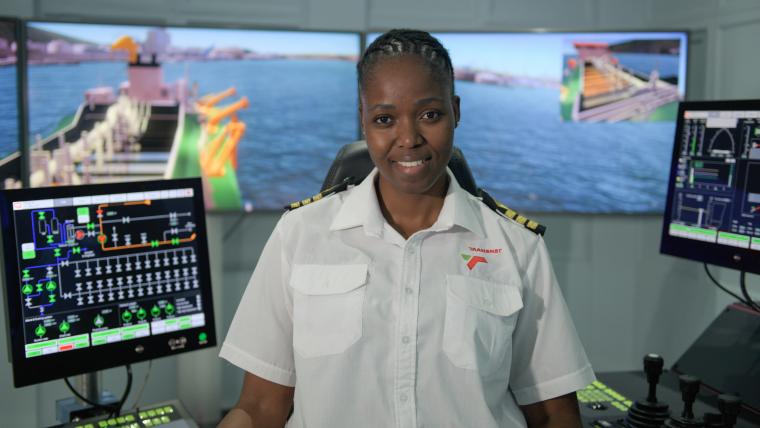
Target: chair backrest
<point x="353" y="160"/>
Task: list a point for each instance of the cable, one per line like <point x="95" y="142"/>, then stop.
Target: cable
<point x="743" y="284"/>
<point x="142" y="388"/>
<point x="107" y="407"/>
<point x="125" y="394"/>
<point x="234" y="226"/>
<point x="112" y="409"/>
<point x="736" y="296"/>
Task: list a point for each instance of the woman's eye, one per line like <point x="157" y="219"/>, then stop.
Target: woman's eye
<point x="383" y="120"/>
<point x="431" y="115"/>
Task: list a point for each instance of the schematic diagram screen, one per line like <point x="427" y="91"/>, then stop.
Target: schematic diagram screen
<point x="95" y="270"/>
<point x="714" y="196"/>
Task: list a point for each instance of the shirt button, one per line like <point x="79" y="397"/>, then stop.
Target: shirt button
<point x="403" y="397"/>
<point x="408" y="290"/>
<point x="405" y="340"/>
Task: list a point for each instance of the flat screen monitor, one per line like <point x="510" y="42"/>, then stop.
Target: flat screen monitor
<point x="569" y="122"/>
<point x="259" y="115"/>
<point x="10" y="141"/>
<point x="98" y="276"/>
<point x="713" y="204"/>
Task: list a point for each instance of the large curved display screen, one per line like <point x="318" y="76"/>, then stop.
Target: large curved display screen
<point x="569" y="122"/>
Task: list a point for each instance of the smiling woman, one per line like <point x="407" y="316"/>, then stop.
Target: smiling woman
<point x="405" y="301"/>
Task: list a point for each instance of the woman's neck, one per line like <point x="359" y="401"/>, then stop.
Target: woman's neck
<point x="410" y="213"/>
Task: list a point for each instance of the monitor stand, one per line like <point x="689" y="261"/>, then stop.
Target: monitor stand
<point x="72" y="408"/>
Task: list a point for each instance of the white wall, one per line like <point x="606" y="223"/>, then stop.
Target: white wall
<point x="626" y="299"/>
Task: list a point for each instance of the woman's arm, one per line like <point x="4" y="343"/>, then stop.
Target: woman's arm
<point x="262" y="404"/>
<point x="560" y="412"/>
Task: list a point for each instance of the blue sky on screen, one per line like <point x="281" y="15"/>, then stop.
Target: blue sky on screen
<point x="529" y="54"/>
<point x="281" y="42"/>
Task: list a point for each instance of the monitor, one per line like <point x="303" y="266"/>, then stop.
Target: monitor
<point x="10" y="139"/>
<point x="258" y="114"/>
<point x="98" y="276"/>
<point x="712" y="211"/>
<point x="569" y="122"/>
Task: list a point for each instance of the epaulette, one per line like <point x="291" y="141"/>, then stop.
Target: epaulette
<point x="343" y="185"/>
<point x="511" y="214"/>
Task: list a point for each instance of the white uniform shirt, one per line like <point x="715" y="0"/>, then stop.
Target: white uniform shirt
<point x="453" y="327"/>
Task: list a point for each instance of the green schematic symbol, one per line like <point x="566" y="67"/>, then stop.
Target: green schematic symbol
<point x="76" y="250"/>
<point x="57" y="252"/>
<point x="154" y="244"/>
<point x="50" y="286"/>
<point x="50" y="239"/>
<point x="26" y="273"/>
<point x="27" y="289"/>
<point x="126" y="316"/>
<point x="99" y="321"/>
<point x="141" y="314"/>
<point x="51" y="298"/>
<point x="202" y="337"/>
<point x="155" y="311"/>
<point x="40" y="330"/>
<point x="175" y="241"/>
<point x="169" y="309"/>
<point x="90" y="226"/>
<point x="64" y="327"/>
<point x="41" y="215"/>
<point x="39" y="287"/>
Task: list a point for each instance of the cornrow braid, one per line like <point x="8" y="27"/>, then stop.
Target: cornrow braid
<point x="396" y="43"/>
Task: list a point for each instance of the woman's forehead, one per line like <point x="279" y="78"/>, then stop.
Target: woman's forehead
<point x="410" y="72"/>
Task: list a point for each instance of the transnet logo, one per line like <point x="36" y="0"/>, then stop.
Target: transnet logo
<point x="473" y="261"/>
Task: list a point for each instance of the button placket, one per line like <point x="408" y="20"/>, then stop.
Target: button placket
<point x="406" y="354"/>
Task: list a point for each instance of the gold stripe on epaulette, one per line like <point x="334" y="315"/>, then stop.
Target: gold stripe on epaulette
<point x="511" y="214"/>
<point x="329" y="191"/>
<point x="521" y="219"/>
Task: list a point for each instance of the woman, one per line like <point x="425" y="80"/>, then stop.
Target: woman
<point x="405" y="301"/>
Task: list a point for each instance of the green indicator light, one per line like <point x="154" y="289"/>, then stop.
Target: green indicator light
<point x="76" y="250"/>
<point x="64" y="327"/>
<point x="202" y="337"/>
<point x="141" y="314"/>
<point x="99" y="321"/>
<point x="27" y="255"/>
<point x="90" y="226"/>
<point x="155" y="311"/>
<point x="57" y="252"/>
<point x="40" y="330"/>
<point x="39" y="287"/>
<point x="27" y="289"/>
<point x="41" y="215"/>
<point x="83" y="211"/>
<point x="169" y="309"/>
<point x="50" y="286"/>
<point x="26" y="273"/>
<point x="51" y="298"/>
<point x="126" y="316"/>
<point x="50" y="239"/>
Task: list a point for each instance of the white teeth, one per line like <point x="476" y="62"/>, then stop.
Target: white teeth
<point x="410" y="164"/>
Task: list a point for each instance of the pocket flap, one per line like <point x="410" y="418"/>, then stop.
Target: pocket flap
<point x="497" y="298"/>
<point x="327" y="279"/>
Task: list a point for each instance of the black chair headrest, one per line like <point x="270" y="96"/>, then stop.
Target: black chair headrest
<point x="353" y="160"/>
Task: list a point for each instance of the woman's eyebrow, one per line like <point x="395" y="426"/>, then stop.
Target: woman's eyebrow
<point x="428" y="100"/>
<point x="382" y="106"/>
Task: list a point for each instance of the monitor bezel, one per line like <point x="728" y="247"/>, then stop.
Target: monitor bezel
<point x="29" y="371"/>
<point x="743" y="259"/>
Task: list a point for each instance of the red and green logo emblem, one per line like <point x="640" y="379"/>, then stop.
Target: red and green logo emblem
<point x="473" y="261"/>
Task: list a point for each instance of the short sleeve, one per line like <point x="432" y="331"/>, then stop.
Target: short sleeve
<point x="260" y="338"/>
<point x="548" y="359"/>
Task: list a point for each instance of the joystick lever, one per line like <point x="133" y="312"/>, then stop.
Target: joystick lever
<point x="729" y="406"/>
<point x="689" y="388"/>
<point x="649" y="413"/>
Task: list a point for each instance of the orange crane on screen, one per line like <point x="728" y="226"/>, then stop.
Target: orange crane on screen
<point x="126" y="43"/>
<point x="223" y="147"/>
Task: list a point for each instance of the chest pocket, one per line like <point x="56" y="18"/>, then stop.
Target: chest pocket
<point x="327" y="307"/>
<point x="480" y="319"/>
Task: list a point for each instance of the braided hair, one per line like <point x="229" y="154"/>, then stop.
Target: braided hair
<point x="397" y="43"/>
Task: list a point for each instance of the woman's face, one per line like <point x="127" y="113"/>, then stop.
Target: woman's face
<point x="408" y="115"/>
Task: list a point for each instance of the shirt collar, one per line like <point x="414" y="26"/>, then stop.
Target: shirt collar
<point x="361" y="208"/>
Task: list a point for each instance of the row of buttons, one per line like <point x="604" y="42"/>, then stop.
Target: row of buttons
<point x="156" y="421"/>
<point x="159" y="411"/>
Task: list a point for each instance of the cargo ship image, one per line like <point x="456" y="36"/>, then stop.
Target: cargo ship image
<point x="144" y="129"/>
<point x="597" y="86"/>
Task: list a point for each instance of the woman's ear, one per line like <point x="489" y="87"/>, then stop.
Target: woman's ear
<point x="455" y="104"/>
